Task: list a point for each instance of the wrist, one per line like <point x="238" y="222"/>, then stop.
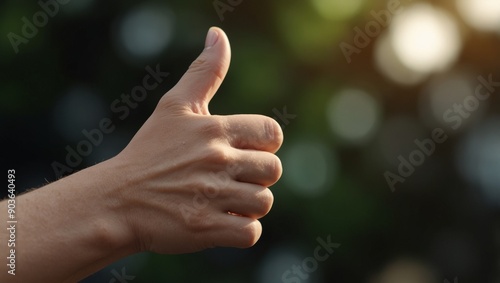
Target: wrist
<point x="77" y="223"/>
<point x="114" y="230"/>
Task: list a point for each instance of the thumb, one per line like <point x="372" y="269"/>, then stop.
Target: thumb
<point x="203" y="78"/>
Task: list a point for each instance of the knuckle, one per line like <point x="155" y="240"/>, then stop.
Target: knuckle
<point x="199" y="65"/>
<point x="215" y="127"/>
<point x="195" y="221"/>
<point x="204" y="65"/>
<point x="198" y="223"/>
<point x="217" y="155"/>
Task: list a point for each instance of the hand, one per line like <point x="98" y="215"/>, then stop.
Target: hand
<point x="195" y="180"/>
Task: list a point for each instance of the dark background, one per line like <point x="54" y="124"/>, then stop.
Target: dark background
<point x="353" y="120"/>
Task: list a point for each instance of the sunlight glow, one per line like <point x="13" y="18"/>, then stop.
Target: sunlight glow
<point x="481" y="14"/>
<point x="425" y="39"/>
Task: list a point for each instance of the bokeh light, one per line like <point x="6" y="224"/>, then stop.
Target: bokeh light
<point x="311" y="168"/>
<point x="478" y="159"/>
<point x="481" y="14"/>
<point x="146" y="31"/>
<point x="353" y="115"/>
<point x="425" y="39"/>
<point x="277" y="262"/>
<point x="77" y="7"/>
<point x="442" y="95"/>
<point x="391" y="66"/>
<point x="406" y="270"/>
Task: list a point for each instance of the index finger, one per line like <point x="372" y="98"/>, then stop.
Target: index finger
<point x="253" y="132"/>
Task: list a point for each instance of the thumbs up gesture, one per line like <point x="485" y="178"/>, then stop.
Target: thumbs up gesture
<point x="193" y="180"/>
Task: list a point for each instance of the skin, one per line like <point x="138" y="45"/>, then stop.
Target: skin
<point x="187" y="181"/>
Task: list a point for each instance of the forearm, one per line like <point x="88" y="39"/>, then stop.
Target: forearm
<point x="187" y="181"/>
<point x="68" y="229"/>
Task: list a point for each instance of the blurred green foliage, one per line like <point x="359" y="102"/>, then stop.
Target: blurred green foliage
<point x="284" y="54"/>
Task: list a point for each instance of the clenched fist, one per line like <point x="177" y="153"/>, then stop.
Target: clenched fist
<point x="197" y="180"/>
